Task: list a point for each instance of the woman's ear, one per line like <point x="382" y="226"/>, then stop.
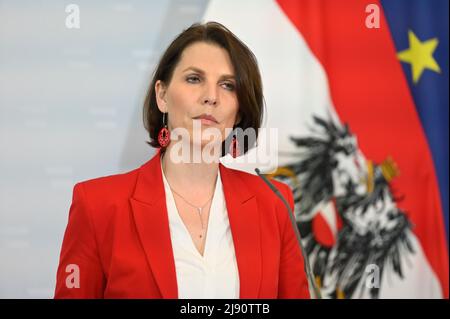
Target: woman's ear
<point x="160" y="93"/>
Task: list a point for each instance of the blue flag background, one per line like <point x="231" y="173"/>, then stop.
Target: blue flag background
<point x="427" y="20"/>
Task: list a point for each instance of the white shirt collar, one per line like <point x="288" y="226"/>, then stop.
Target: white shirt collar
<point x="215" y="274"/>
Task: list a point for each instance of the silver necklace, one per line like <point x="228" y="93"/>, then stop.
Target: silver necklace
<point x="199" y="209"/>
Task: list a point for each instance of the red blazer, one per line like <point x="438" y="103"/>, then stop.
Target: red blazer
<point x="118" y="236"/>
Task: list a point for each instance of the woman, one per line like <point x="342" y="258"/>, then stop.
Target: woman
<point x="187" y="228"/>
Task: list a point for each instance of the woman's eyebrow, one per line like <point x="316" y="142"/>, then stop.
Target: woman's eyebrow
<point x="200" y="71"/>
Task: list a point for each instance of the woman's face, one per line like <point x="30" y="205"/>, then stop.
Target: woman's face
<point x="202" y="83"/>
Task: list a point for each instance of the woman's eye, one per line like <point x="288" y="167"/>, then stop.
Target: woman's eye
<point x="196" y="79"/>
<point x="192" y="79"/>
<point x="229" y="86"/>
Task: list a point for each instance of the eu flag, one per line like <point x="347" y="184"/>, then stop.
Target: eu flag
<point x="420" y="31"/>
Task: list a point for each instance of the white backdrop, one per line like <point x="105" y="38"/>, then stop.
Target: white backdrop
<point x="70" y="110"/>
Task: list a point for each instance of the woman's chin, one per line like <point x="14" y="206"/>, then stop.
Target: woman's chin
<point x="208" y="146"/>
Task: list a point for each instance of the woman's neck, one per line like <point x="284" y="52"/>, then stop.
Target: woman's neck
<point x="191" y="178"/>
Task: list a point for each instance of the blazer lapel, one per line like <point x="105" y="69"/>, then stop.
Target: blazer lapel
<point x="152" y="223"/>
<point x="245" y="228"/>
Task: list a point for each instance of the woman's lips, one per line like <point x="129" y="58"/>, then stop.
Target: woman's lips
<point x="206" y="119"/>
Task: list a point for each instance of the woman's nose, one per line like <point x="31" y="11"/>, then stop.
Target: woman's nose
<point x="209" y="100"/>
<point x="210" y="95"/>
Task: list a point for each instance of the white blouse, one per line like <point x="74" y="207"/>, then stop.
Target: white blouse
<point x="215" y="274"/>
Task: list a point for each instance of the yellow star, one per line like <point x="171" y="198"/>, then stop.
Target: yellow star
<point x="420" y="56"/>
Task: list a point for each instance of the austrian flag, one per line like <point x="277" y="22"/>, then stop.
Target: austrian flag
<point x="359" y="93"/>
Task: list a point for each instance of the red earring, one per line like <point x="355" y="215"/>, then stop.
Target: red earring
<point x="234" y="147"/>
<point x="164" y="134"/>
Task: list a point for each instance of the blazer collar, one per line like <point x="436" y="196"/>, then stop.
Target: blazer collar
<point x="150" y="213"/>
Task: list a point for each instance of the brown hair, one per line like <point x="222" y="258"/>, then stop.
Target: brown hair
<point x="248" y="78"/>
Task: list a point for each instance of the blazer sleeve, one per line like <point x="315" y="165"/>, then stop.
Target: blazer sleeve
<point x="293" y="282"/>
<point x="79" y="273"/>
